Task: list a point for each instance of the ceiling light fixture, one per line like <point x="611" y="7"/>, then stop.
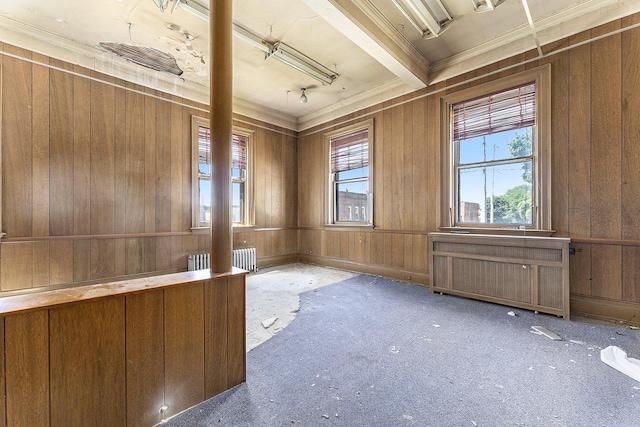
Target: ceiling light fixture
<point x="277" y="50"/>
<point x="486" y="5"/>
<point x="193" y="7"/>
<point x="429" y="17"/>
<point x="303" y="97"/>
<point x="301" y="62"/>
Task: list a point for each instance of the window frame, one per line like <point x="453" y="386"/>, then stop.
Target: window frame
<point x="249" y="217"/>
<point x="330" y="198"/>
<point x="541" y="159"/>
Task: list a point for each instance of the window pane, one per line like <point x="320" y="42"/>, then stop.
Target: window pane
<point x="349" y="198"/>
<point x="497" y="146"/>
<point x="204" y="169"/>
<point x="204" y="191"/>
<point x="500" y="194"/>
<point x="237" y="206"/>
<point x="353" y="173"/>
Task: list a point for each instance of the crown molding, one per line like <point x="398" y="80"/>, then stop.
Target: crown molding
<point x="267" y="115"/>
<point x="377" y="95"/>
<point x="567" y="22"/>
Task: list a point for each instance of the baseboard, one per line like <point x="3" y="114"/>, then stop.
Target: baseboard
<point x="277" y="260"/>
<point x="604" y="309"/>
<point x="411" y="276"/>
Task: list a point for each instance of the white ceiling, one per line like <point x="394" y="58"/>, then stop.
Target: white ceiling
<point x="376" y="52"/>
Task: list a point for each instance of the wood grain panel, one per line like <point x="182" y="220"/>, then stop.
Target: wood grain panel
<point x="17" y="152"/>
<point x="389" y="257"/>
<point x="278" y="183"/>
<point x="236" y="327"/>
<point x="630" y="196"/>
<point x="87" y="345"/>
<point x="103" y="254"/>
<point x="151" y="250"/>
<point x="120" y="160"/>
<point x="120" y="257"/>
<point x="149" y="163"/>
<point x="178" y="253"/>
<point x="40" y="109"/>
<point x="408" y="166"/>
<point x="606" y="271"/>
<point x="27" y="369"/>
<point x="145" y="358"/>
<point x="419" y="166"/>
<point x="216" y="377"/>
<point x="81" y="260"/>
<point x="134" y="256"/>
<point x="606" y="136"/>
<point x="16" y="266"/>
<point x="81" y="154"/>
<point x="177" y="152"/>
<point x="184" y="347"/>
<point x="344" y="238"/>
<point x="377" y="248"/>
<point x="61" y="262"/>
<point x="102" y="158"/>
<point x="163" y="166"/>
<point x="260" y="184"/>
<point x="580" y="269"/>
<point x="385" y="203"/>
<point x="579" y="137"/>
<point x="289" y="163"/>
<point x="631" y="274"/>
<point x="397" y="142"/>
<point x="420" y="252"/>
<point x="397" y="250"/>
<point x="41" y="264"/>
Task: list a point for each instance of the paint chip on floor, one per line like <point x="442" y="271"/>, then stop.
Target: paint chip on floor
<point x="267" y="323"/>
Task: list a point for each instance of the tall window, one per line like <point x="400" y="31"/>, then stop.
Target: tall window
<point x="498" y="147"/>
<point x="240" y="174"/>
<point x="238" y="178"/>
<point x="349" y="174"/>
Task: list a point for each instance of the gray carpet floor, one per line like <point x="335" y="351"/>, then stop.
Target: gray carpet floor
<point x="369" y="351"/>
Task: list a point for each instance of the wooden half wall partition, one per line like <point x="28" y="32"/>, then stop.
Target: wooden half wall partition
<point x="128" y="353"/>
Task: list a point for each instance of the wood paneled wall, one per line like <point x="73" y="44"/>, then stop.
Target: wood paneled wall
<point x="595" y="180"/>
<point x="96" y="178"/>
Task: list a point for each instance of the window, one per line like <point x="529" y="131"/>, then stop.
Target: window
<point x="350" y="158"/>
<point x="496" y="142"/>
<point x="240" y="175"/>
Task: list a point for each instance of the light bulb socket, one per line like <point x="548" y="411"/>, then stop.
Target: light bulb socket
<point x="303" y="97"/>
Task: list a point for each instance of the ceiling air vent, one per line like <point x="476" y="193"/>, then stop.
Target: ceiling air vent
<point x="145" y="56"/>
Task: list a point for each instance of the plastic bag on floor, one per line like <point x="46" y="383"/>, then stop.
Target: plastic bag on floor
<point x="617" y="359"/>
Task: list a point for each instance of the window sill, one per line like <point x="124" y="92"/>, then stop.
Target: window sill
<point x="349" y="227"/>
<point x="498" y="231"/>
<point x="200" y="230"/>
<point x="239" y="228"/>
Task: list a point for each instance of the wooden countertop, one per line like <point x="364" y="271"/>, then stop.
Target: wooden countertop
<point x="17" y="304"/>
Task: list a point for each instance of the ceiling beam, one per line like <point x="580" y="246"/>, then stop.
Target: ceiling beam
<point x="363" y="24"/>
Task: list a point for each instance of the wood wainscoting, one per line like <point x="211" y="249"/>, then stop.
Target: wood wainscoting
<point x="121" y="354"/>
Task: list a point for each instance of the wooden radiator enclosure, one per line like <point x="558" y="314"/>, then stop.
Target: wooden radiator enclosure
<point x="519" y="271"/>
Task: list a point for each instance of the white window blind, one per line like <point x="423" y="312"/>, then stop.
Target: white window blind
<point x="350" y="151"/>
<point x="238" y="148"/>
<point x="499" y="112"/>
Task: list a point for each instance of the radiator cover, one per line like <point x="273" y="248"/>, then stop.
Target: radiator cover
<point x="519" y="271"/>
